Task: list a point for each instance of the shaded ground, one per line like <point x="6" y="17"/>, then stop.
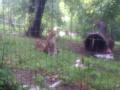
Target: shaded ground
<point x="27" y="77"/>
<point x="68" y="87"/>
<point x="75" y="46"/>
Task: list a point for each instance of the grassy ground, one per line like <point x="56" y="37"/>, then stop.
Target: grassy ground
<point x="18" y="53"/>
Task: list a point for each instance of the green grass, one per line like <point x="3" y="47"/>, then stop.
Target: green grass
<point x="105" y="74"/>
<point x="7" y="29"/>
<point x="18" y="52"/>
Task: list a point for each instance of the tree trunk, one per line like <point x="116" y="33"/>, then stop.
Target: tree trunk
<point x="35" y="29"/>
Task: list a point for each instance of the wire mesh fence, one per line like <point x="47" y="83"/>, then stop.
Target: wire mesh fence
<point x="68" y="54"/>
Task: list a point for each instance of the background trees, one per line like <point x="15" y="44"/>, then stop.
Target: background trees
<point x="78" y="16"/>
<point x="88" y="11"/>
<point x="35" y="29"/>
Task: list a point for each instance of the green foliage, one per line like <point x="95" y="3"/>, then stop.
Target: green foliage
<point x="40" y="80"/>
<point x="7" y="80"/>
<point x="30" y="14"/>
<point x="82" y="14"/>
<point x="88" y="11"/>
<point x="52" y="14"/>
<point x="5" y="47"/>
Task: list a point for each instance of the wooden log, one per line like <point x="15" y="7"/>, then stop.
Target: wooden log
<point x="97" y="42"/>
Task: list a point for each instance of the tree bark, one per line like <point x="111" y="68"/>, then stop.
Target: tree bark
<point x="35" y="29"/>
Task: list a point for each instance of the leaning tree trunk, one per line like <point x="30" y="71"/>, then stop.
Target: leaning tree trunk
<point x="35" y="29"/>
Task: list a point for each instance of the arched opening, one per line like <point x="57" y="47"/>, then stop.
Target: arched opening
<point x="95" y="43"/>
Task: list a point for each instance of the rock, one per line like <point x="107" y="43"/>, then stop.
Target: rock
<point x="79" y="63"/>
<point x="56" y="84"/>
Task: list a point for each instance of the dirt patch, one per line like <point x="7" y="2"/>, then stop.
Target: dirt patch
<point x="75" y="46"/>
<point x="27" y="77"/>
<point x="69" y="87"/>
